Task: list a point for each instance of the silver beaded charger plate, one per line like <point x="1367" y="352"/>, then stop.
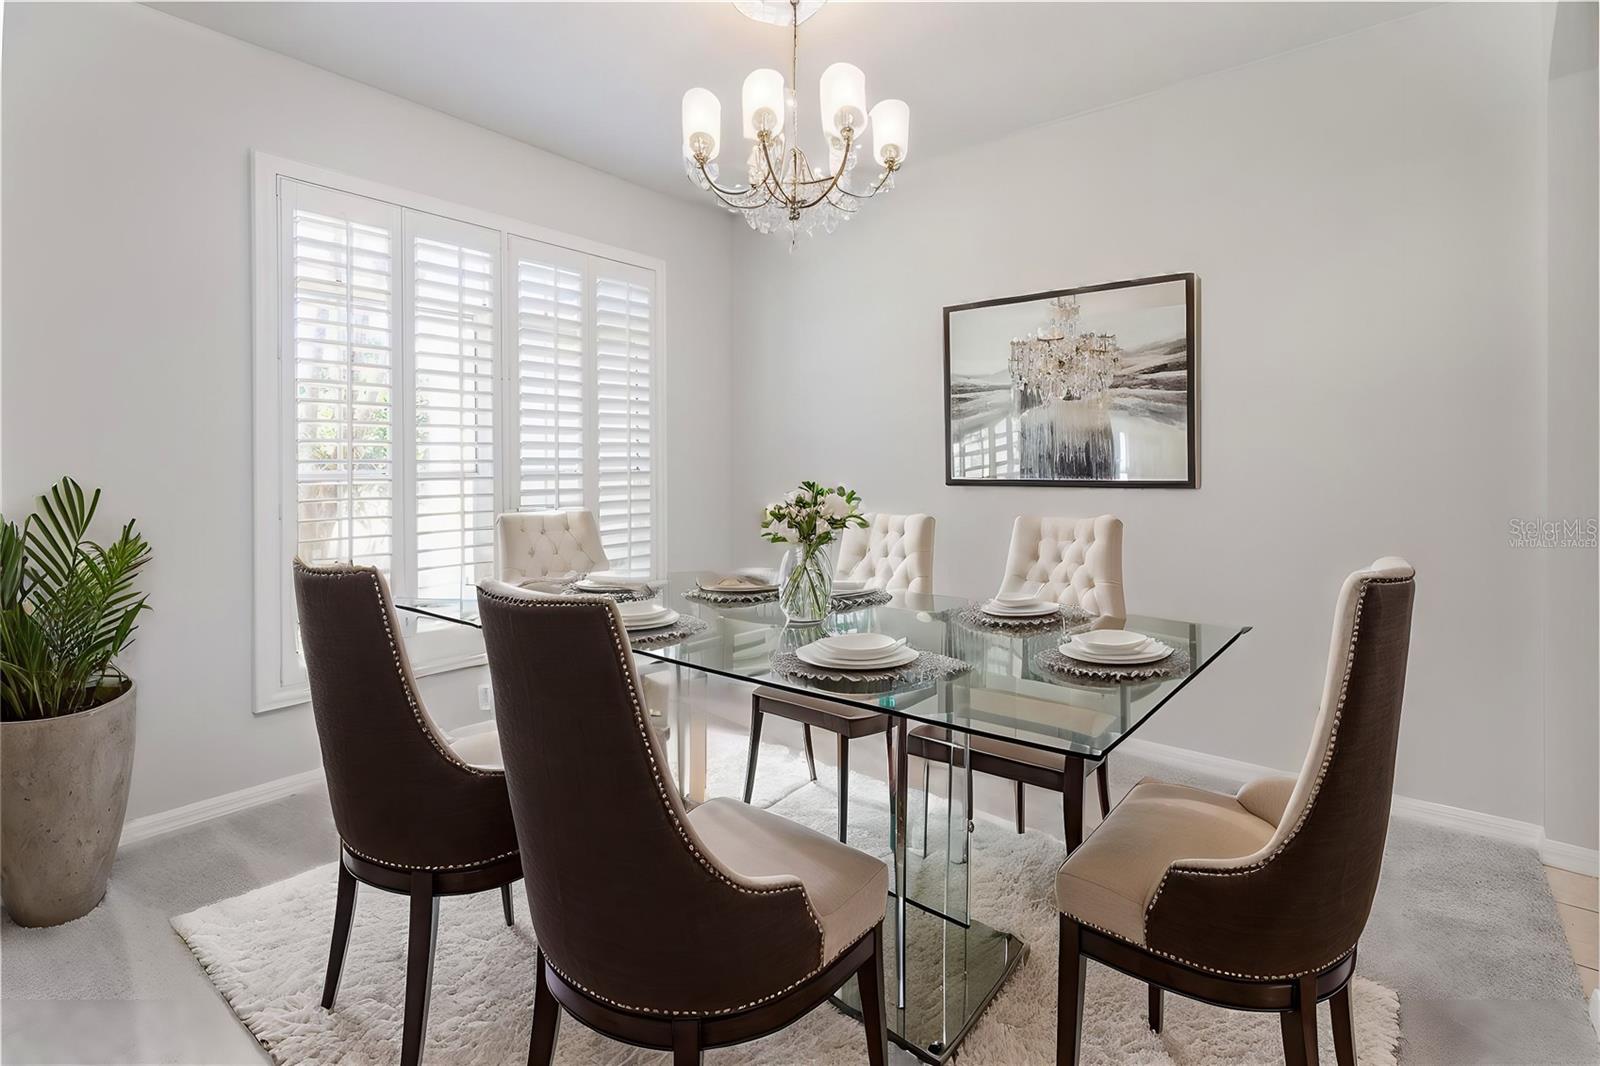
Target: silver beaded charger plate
<point x="927" y="668"/>
<point x="650" y="590"/>
<point x="1066" y="618"/>
<point x="1052" y="661"/>
<point x="685" y="626"/>
<point x="730" y="599"/>
<point x="856" y="601"/>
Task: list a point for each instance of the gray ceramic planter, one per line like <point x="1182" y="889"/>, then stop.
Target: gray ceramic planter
<point x="65" y="795"/>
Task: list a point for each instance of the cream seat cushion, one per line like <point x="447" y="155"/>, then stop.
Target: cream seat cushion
<point x="479" y="749"/>
<point x="1107" y="883"/>
<point x="848" y="889"/>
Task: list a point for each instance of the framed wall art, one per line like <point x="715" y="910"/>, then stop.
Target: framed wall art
<point x="1086" y="387"/>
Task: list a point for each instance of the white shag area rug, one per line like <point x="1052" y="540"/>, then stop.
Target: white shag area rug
<point x="266" y="952"/>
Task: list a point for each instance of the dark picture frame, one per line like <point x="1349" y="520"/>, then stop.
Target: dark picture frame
<point x="1191" y="407"/>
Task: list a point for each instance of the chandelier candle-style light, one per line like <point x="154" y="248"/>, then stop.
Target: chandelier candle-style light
<point x="785" y="191"/>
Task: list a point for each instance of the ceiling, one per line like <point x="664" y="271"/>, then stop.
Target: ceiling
<point x="601" y="83"/>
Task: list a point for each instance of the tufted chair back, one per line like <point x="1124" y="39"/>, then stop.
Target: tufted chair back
<point x="893" y="552"/>
<point x="1076" y="561"/>
<point x="539" y="544"/>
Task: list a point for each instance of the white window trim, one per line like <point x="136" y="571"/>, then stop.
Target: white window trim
<point x="273" y="606"/>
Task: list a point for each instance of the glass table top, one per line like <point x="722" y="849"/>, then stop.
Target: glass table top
<point x="1002" y="696"/>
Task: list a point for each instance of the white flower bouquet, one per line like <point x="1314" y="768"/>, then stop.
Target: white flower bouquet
<point x="808" y="519"/>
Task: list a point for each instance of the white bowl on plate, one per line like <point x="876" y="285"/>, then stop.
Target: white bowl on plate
<point x="898" y="656"/>
<point x="848" y="587"/>
<point x="646" y="615"/>
<point x="858" y="647"/>
<point x="1112" y="639"/>
<point x="1155" y="652"/>
<point x="1028" y="609"/>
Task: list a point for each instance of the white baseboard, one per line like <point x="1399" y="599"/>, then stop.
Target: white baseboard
<point x="1529" y="834"/>
<point x="154" y="825"/>
<point x="1551" y="852"/>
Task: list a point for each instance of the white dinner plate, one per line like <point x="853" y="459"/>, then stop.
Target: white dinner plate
<point x="849" y="588"/>
<point x="753" y="585"/>
<point x="1038" y="609"/>
<point x="1154" y="654"/>
<point x="651" y="623"/>
<point x="899" y="657"/>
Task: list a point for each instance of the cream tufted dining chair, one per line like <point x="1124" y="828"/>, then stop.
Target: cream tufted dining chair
<point x="893" y="552"/>
<point x="1074" y="561"/>
<point x="536" y="544"/>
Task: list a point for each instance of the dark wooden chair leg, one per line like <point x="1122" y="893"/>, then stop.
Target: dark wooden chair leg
<point x="419" y="965"/>
<point x="1072" y="803"/>
<point x="844" y="785"/>
<point x="1344" y="1032"/>
<point x="505" y="902"/>
<point x="755" y="747"/>
<point x="1069" y="997"/>
<point x="1155" y="1009"/>
<point x="343" y="916"/>
<point x="811" y="756"/>
<point x="888" y="748"/>
<point x="1102" y="780"/>
<point x="1300" y="1025"/>
<point x="686" y="1043"/>
<point x="869" y="983"/>
<point x="1022" y="817"/>
<point x="546" y="1018"/>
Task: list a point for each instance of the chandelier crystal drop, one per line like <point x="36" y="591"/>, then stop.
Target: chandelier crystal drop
<point x="784" y="191"/>
<point x="1058" y="362"/>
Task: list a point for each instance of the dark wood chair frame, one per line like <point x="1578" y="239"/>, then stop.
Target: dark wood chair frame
<point x="424" y="887"/>
<point x="1293" y="1000"/>
<point x="1068" y="781"/>
<point x="844" y="728"/>
<point x="687" y="1037"/>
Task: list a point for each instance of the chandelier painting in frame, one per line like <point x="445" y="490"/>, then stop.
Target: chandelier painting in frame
<point x="1087" y="387"/>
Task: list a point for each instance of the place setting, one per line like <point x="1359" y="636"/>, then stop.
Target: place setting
<point x="1113" y="655"/>
<point x="624" y="588"/>
<point x="856" y="595"/>
<point x="1018" y="612"/>
<point x="738" y="587"/>
<point x="864" y="659"/>
<point x="650" y="624"/>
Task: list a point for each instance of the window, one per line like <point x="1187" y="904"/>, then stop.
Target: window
<point x="422" y="368"/>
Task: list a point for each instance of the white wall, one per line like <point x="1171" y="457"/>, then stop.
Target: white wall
<point x="1572" y="478"/>
<point x="127" y="328"/>
<point x="1366" y="218"/>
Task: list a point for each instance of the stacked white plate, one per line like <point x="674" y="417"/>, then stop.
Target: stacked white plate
<point x="611" y="581"/>
<point x="1014" y="605"/>
<point x="646" y="615"/>
<point x="1112" y="647"/>
<point x="849" y="588"/>
<point x="857" y="651"/>
<point x="739" y="582"/>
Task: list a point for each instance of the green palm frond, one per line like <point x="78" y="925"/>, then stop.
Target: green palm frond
<point x="68" y="606"/>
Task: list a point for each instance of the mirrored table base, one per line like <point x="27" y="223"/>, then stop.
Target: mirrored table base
<point x="952" y="972"/>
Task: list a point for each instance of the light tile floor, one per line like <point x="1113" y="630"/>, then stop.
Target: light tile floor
<point x="1578" y="904"/>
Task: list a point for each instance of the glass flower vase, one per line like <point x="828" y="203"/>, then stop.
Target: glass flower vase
<point x="805" y="584"/>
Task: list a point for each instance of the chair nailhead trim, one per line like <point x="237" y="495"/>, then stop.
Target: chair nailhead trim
<point x="1316" y="788"/>
<point x="640" y="722"/>
<point x="411" y="866"/>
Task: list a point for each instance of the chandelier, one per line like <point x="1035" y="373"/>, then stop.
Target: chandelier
<point x="783" y="190"/>
<point x="1057" y="362"/>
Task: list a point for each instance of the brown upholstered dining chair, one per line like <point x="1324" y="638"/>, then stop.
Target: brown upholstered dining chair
<point x="1256" y="901"/>
<point x="658" y="926"/>
<point x="415" y="814"/>
<point x="893" y="553"/>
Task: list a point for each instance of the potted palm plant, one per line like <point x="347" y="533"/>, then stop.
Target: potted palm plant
<point x="68" y="609"/>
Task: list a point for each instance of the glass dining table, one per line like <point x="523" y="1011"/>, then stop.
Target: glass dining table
<point x="945" y="965"/>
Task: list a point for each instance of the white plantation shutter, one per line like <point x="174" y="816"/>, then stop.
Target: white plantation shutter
<point x="339" y="273"/>
<point x="550" y="375"/>
<point x="624" y="468"/>
<point x="454" y="300"/>
<point x="419" y="373"/>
